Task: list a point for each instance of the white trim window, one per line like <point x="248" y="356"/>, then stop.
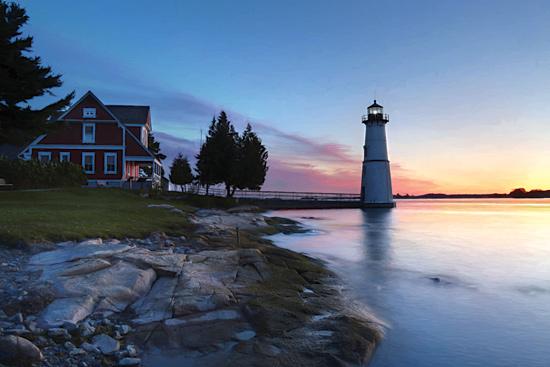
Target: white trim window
<point x="88" y="162"/>
<point x="44" y="156"/>
<point x="88" y="133"/>
<point x="64" y="156"/>
<point x="109" y="163"/>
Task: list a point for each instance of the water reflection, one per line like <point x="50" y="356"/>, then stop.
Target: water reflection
<point x="491" y="307"/>
<point x="377" y="234"/>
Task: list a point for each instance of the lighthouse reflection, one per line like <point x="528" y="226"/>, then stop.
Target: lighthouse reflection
<point x="377" y="225"/>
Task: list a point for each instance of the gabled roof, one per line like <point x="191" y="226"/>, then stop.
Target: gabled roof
<point x="130" y="114"/>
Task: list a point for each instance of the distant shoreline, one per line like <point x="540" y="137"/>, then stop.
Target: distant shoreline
<point x="515" y="194"/>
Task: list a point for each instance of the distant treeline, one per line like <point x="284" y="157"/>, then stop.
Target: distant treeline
<point x="520" y="193"/>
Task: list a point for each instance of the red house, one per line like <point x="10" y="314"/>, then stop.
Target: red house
<point x="110" y="142"/>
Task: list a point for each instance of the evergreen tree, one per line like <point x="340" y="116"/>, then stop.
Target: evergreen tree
<point x="22" y="77"/>
<point x="220" y="150"/>
<point x="180" y="171"/>
<point x="203" y="166"/>
<point x="154" y="147"/>
<point x="251" y="167"/>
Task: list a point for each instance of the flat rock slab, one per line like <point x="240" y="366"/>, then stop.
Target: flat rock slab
<point x="157" y="305"/>
<point x="80" y="251"/>
<point x="164" y="263"/>
<point x="64" y="310"/>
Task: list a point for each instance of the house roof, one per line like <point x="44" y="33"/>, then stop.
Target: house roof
<point x="130" y="114"/>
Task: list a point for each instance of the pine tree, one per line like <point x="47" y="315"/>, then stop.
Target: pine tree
<point x="154" y="147"/>
<point x="203" y="166"/>
<point x="219" y="153"/>
<point x="180" y="171"/>
<point x="22" y="77"/>
<point x="251" y="167"/>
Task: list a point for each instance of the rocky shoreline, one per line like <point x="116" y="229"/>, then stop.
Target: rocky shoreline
<point x="222" y="295"/>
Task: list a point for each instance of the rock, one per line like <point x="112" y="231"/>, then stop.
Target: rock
<point x="129" y="362"/>
<point x="123" y="329"/>
<point x="69" y="345"/>
<point x="6" y="325"/>
<point x="161" y="206"/>
<point x="59" y="333"/>
<point x="18" y="351"/>
<point x="132" y="351"/>
<point x="106" y="344"/>
<point x="245" y="335"/>
<point x="176" y="211"/>
<point x="85" y="267"/>
<point x="3" y="315"/>
<point x="41" y="341"/>
<point x="17" y="318"/>
<point x="116" y="287"/>
<point x="66" y="310"/>
<point x="157" y="305"/>
<point x="77" y="352"/>
<point x="90" y="348"/>
<point x="81" y="251"/>
<point x="86" y="329"/>
<point x="92" y="241"/>
<point x="164" y="263"/>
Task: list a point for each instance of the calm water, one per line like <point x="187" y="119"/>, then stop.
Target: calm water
<point x="491" y="306"/>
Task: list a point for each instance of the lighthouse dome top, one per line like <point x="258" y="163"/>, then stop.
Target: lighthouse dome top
<point x="375" y="109"/>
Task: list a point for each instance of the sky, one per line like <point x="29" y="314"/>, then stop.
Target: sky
<point x="466" y="83"/>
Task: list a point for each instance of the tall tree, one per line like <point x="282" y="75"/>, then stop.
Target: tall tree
<point x="23" y="77"/>
<point x="220" y="149"/>
<point x="154" y="147"/>
<point x="251" y="167"/>
<point x="203" y="166"/>
<point x="180" y="171"/>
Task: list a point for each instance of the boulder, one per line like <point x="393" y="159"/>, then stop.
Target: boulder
<point x="17" y="351"/>
<point x="106" y="344"/>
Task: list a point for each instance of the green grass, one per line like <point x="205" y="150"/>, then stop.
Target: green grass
<point x="74" y="214"/>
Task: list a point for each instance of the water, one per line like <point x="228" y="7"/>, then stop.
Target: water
<point x="491" y="305"/>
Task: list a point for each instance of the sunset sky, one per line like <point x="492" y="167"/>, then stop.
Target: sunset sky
<point x="466" y="83"/>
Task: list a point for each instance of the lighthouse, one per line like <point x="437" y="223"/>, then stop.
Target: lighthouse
<point x="376" y="188"/>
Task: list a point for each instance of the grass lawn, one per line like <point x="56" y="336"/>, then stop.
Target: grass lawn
<point x="73" y="214"/>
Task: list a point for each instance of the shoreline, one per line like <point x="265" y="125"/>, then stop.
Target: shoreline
<point x="218" y="296"/>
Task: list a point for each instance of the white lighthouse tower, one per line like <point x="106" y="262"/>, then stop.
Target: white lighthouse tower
<point x="376" y="188"/>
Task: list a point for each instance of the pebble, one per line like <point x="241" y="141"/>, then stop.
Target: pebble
<point x="59" y="332"/>
<point x="90" y="348"/>
<point x="132" y="351"/>
<point x="86" y="329"/>
<point x="123" y="329"/>
<point x="17" y="318"/>
<point x="129" y="362"/>
<point x="106" y="344"/>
